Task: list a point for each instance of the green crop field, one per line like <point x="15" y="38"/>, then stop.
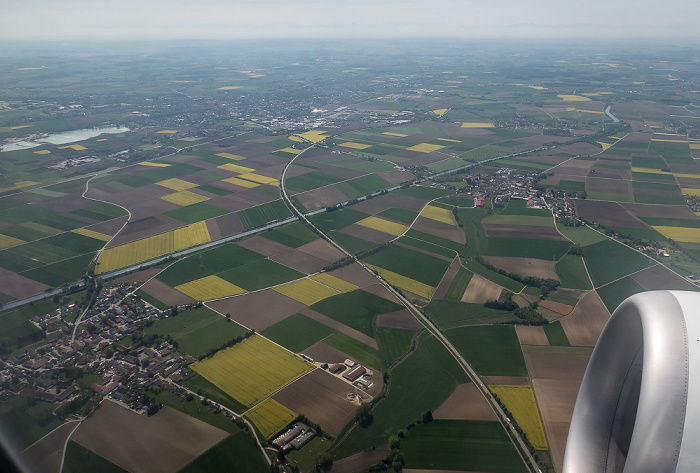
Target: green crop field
<point x="293" y="235"/>
<point x="656" y="186"/>
<point x="297" y="332"/>
<point x="355" y="349"/>
<point x="206" y="263"/>
<point x="423" y="192"/>
<point x="508" y="283"/>
<point x="337" y="219"/>
<point x="362" y="185"/>
<point x="26" y="419"/>
<point x="195" y="212"/>
<point x="15" y="323"/>
<point x="459" y="285"/>
<point x="429" y="365"/>
<point x="582" y="235"/>
<point x="572" y="272"/>
<point x="556" y="335"/>
<point x="197" y="330"/>
<point x="519" y="207"/>
<point x="659" y="199"/>
<point x="352" y="244"/>
<point x="214" y="189"/>
<point x="400" y="215"/>
<point x="424" y="245"/>
<point x="101" y="212"/>
<point x="312" y="180"/>
<point x="393" y="343"/>
<point x="461" y="445"/>
<point x="616" y="292"/>
<point x="435" y="240"/>
<point x="152" y="176"/>
<point x="260" y="274"/>
<point x="263" y="214"/>
<point x="236" y="453"/>
<point x="62" y="272"/>
<point x="609" y="260"/>
<point x="510" y="219"/>
<point x="357" y="309"/>
<point x="450" y="314"/>
<point x="414" y="265"/>
<point x="493" y="350"/>
<point x="551" y="250"/>
<point x="79" y="459"/>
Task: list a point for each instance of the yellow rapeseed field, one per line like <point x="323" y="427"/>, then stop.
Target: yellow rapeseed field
<point x="682" y="234"/>
<point x="208" y="288"/>
<point x="306" y="291"/>
<point x="155" y="165"/>
<point x="73" y="147"/>
<point x="176" y="184"/>
<point x="270" y="417"/>
<point x="296" y="139"/>
<point x="336" y="283"/>
<point x="425" y="148"/>
<point x="241" y="182"/>
<point x="573" y="98"/>
<point x="42" y="151"/>
<point x="252" y="369"/>
<point x="520" y="401"/>
<point x="537" y="87"/>
<point x="92" y="234"/>
<point x="260" y="179"/>
<point x="650" y="171"/>
<point x="19" y="185"/>
<point x="447" y="139"/>
<point x="235" y="168"/>
<point x="353" y="145"/>
<point x="477" y="125"/>
<point x="439" y="214"/>
<point x="382" y="225"/>
<point x="604" y="145"/>
<point x="694" y="145"/>
<point x="668" y="140"/>
<point x="152" y="247"/>
<point x="313" y="136"/>
<point x="290" y="150"/>
<point x="390" y="133"/>
<point x="230" y="87"/>
<point x="235" y="157"/>
<point x="692" y="176"/>
<point x="690" y="191"/>
<point x="441" y="111"/>
<point x="8" y="241"/>
<point x="184" y="198"/>
<point x="168" y="132"/>
<point x="408" y="284"/>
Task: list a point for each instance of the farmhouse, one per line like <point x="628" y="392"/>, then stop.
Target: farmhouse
<point x="355" y="373"/>
<point x="296" y="437"/>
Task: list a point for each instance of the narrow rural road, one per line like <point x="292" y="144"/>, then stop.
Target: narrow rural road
<point x="503" y="418"/>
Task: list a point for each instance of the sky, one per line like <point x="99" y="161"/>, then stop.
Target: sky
<point x="190" y="19"/>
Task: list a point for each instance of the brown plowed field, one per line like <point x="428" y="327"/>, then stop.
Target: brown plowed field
<point x="321" y="197"/>
<point x="213" y="229"/>
<point x="229" y="224"/>
<point x="45" y="455"/>
<point x="300" y="261"/>
<point x="442" y="230"/>
<point x="244" y="199"/>
<point x="369" y="234"/>
<point x="575" y="293"/>
<point x="660" y="277"/>
<point x="145" y="228"/>
<point x="109" y="227"/>
<point x="607" y="213"/>
<point x="481" y="290"/>
<point x="619" y="186"/>
<point x="520" y="300"/>
<point x="355" y="274"/>
<point x="465" y="403"/>
<point x="378" y="290"/>
<point x="360" y="461"/>
<point x="322" y="398"/>
<point x="139" y="277"/>
<point x="574" y="167"/>
<point x="388" y="201"/>
<point x="323" y="353"/>
<point x="396" y="177"/>
<point x="323" y="250"/>
<point x="531" y="335"/>
<point x="165" y="293"/>
<point x="258" y="310"/>
<point x="399" y="319"/>
<point x="447" y="279"/>
<point x="342" y="328"/>
<point x="525" y="266"/>
<point x="162" y="443"/>
<point x="20" y="287"/>
<point x="556" y="363"/>
<point x="585" y="323"/>
<point x="506" y="380"/>
<point x="522" y="231"/>
<point x="579" y="149"/>
<point x="263" y="246"/>
<point x="615" y="174"/>
<point x="663" y="211"/>
<point x="558" y="307"/>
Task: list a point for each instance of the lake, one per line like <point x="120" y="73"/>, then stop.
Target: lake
<point x="63" y="138"/>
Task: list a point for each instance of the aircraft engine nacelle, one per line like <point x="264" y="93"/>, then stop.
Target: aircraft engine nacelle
<point x="638" y="408"/>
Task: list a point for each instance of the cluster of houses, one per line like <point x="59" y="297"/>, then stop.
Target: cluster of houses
<point x="123" y="372"/>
